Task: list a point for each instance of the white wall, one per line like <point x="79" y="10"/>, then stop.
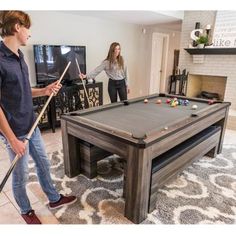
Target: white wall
<point x="53" y="27"/>
<point x="68" y="27"/>
<point x="174" y="43"/>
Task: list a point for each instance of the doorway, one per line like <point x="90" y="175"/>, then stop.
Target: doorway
<point x="160" y="44"/>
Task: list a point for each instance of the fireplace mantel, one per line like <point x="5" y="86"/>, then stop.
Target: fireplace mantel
<point x="216" y="51"/>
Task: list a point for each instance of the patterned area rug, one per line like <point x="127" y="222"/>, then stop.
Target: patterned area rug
<point x="205" y="193"/>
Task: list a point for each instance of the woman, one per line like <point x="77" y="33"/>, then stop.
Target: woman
<point x="116" y="71"/>
<point x="17" y="115"/>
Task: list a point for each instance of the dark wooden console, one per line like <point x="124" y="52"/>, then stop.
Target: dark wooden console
<point x="70" y="98"/>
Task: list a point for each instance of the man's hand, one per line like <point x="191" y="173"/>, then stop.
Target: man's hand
<point x="52" y="88"/>
<point x="18" y="147"/>
<point x="128" y="90"/>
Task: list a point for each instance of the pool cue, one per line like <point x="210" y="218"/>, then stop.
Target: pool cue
<point x="13" y="164"/>
<point x="85" y="90"/>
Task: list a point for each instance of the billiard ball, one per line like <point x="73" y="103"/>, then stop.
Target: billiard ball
<point x="168" y="101"/>
<point x="180" y="101"/>
<point x="158" y="101"/>
<point x="194" y="107"/>
<point x="173" y="104"/>
<point x="166" y="128"/>
<point x="210" y="102"/>
<point x="186" y="102"/>
<point x="145" y="101"/>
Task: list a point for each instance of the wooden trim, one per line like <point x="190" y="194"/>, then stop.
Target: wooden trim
<point x="215" y="51"/>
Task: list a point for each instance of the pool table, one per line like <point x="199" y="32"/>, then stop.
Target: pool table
<point x="138" y="132"/>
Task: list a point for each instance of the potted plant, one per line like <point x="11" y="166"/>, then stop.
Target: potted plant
<point x="202" y="41"/>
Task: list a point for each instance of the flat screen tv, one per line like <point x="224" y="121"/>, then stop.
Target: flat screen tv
<point x="51" y="61"/>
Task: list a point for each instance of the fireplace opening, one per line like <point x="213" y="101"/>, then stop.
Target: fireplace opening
<point x="206" y="86"/>
<point x="209" y="95"/>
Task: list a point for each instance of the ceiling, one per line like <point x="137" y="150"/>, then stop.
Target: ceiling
<point x="136" y="17"/>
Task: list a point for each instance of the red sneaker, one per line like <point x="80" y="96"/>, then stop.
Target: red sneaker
<point x="62" y="202"/>
<point x="31" y="218"/>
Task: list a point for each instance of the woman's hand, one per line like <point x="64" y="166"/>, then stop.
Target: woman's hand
<point x="82" y="76"/>
<point x="52" y="88"/>
<point x="128" y="90"/>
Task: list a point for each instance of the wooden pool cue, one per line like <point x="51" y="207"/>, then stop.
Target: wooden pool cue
<point x="85" y="90"/>
<point x="13" y="164"/>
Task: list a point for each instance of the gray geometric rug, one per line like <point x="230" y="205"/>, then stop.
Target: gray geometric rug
<point x="205" y="193"/>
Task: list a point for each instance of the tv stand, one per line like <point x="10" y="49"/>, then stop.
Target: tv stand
<point x="68" y="83"/>
<point x="70" y="98"/>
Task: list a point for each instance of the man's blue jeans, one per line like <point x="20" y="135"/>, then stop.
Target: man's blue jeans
<point x="36" y="149"/>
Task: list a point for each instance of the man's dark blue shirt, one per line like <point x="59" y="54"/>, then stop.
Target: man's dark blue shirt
<point x="15" y="91"/>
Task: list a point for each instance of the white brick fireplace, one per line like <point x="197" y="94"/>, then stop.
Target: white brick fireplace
<point x="219" y="66"/>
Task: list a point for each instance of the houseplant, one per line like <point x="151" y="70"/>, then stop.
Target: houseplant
<point x="202" y="41"/>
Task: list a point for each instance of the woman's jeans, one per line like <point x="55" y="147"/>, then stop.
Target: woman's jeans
<point x="36" y="149"/>
<point x="117" y="87"/>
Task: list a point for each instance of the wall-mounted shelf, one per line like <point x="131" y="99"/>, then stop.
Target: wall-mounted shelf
<point x="204" y="51"/>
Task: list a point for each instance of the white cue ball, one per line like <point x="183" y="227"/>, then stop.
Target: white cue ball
<point x="194" y="107"/>
<point x="166" y="128"/>
<point x="145" y="101"/>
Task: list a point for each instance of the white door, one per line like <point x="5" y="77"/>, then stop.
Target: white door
<point x="158" y="62"/>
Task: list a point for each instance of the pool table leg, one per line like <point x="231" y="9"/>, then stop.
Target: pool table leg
<point x="222" y="123"/>
<point x="137" y="184"/>
<point x="71" y="152"/>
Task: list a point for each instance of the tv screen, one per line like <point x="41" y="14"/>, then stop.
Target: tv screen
<point x="51" y="61"/>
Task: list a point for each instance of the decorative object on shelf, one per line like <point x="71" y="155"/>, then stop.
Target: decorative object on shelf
<point x="208" y="29"/>
<point x="196" y="33"/>
<point x="202" y="41"/>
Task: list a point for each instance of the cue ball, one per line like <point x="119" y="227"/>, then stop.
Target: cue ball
<point x="194" y="107"/>
<point x="166" y="128"/>
<point x="145" y="101"/>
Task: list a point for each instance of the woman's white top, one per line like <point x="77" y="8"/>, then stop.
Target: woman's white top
<point x="113" y="72"/>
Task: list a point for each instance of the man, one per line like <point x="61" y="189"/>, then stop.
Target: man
<point x="17" y="115"/>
